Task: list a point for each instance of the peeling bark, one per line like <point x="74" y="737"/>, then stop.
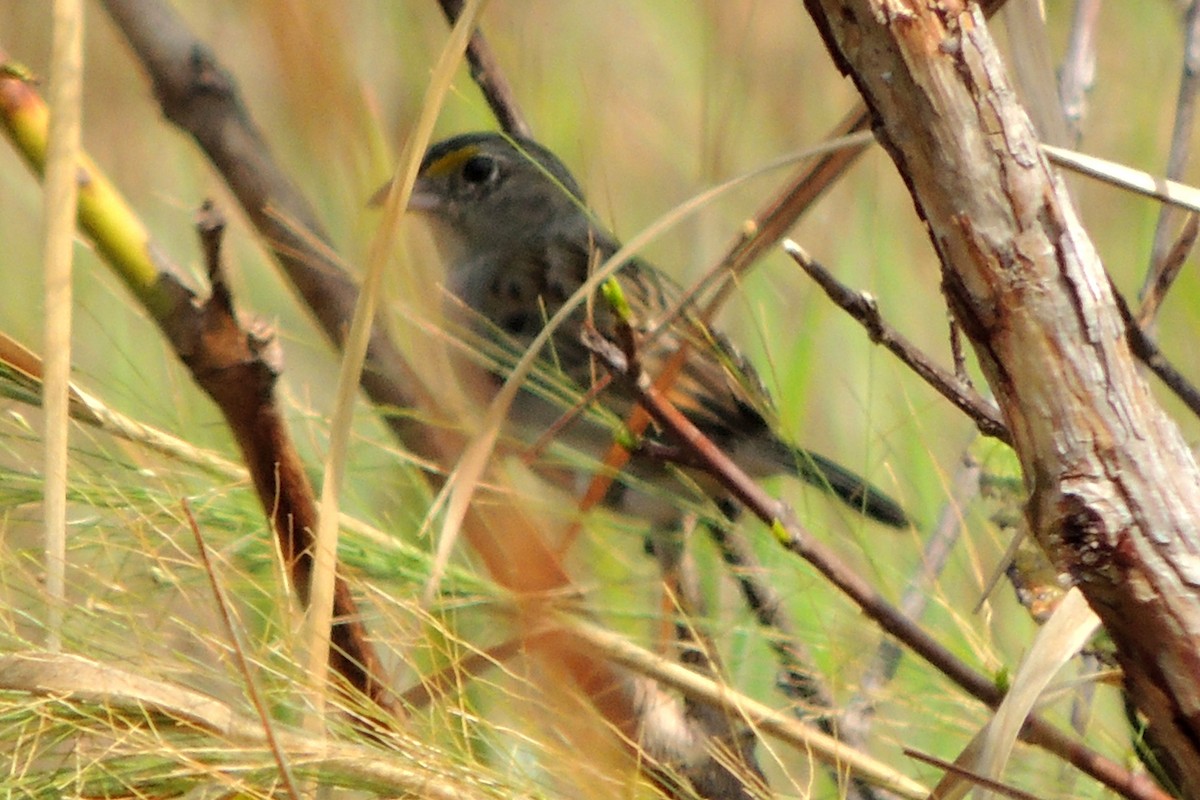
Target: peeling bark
<point x="1114" y="489"/>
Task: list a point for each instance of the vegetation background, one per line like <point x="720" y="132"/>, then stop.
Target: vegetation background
<point x="650" y="104"/>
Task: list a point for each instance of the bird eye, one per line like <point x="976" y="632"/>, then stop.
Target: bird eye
<point x="479" y="169"/>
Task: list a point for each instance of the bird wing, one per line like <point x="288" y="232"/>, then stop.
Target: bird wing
<point x="717" y="388"/>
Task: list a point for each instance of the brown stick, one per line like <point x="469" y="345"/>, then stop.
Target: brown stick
<point x="486" y="73"/>
<point x="238" y="369"/>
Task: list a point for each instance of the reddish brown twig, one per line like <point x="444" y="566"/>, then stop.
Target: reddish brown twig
<point x="238" y="369"/>
<point x="1147" y="352"/>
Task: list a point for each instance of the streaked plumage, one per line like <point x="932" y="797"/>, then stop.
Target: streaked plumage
<point x="510" y="224"/>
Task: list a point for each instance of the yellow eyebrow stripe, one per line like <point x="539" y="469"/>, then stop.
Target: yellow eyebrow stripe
<point x="451" y="161"/>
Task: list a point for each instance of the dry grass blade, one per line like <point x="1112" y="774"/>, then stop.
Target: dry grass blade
<point x="408" y="769"/>
<point x="1060" y="639"/>
<point x="59" y="201"/>
<point x="1119" y="175"/>
<point x="766" y="719"/>
<point x="21" y="379"/>
<point x="355" y="351"/>
<point x="239" y="652"/>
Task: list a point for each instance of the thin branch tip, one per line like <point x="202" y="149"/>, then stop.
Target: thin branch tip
<point x="793" y="249"/>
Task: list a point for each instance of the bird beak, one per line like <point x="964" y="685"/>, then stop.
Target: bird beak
<point x="423" y="198"/>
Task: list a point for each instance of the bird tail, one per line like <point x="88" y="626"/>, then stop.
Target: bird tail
<point x="849" y="487"/>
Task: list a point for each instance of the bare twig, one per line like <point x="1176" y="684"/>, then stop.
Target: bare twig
<point x="862" y="307"/>
<point x="1148" y="353"/>
<point x="488" y="76"/>
<point x="1078" y="70"/>
<point x="1181" y="147"/>
<point x="952" y="768"/>
<point x="698" y="650"/>
<point x="1166" y="271"/>
<point x="238" y="369"/>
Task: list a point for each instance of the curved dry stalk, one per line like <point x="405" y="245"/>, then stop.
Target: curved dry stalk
<point x="243" y="663"/>
<point x="404" y="768"/>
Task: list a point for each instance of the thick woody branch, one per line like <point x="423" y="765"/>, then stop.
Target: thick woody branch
<point x="1115" y="491"/>
<point x="238" y="367"/>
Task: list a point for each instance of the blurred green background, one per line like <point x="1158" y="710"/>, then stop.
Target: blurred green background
<point x="649" y="103"/>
